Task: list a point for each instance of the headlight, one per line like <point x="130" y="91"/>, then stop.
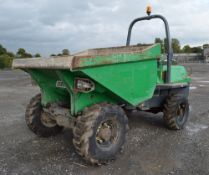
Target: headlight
<point x="84" y="85"/>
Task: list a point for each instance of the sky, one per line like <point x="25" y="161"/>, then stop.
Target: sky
<point x="48" y="26"/>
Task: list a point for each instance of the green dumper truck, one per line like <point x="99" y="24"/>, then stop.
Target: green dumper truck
<point x="92" y="91"/>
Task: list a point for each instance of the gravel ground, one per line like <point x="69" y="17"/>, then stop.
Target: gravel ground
<point x="150" y="149"/>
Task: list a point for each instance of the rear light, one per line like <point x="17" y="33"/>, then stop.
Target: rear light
<point x="84" y="85"/>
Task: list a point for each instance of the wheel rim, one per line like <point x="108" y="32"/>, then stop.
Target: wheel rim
<point x="181" y="112"/>
<point x="107" y="133"/>
<point x="47" y="121"/>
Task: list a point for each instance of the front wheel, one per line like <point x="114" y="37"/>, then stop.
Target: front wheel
<point x="176" y="112"/>
<point x="100" y="133"/>
<point x="39" y="121"/>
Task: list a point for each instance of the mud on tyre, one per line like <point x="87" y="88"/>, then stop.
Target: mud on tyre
<point x="176" y="111"/>
<point x="100" y="133"/>
<point x="38" y="121"/>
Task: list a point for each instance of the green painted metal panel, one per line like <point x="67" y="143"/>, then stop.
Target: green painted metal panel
<point x="153" y="52"/>
<point x="81" y="100"/>
<point x="46" y="79"/>
<point x="178" y="74"/>
<point x="134" y="82"/>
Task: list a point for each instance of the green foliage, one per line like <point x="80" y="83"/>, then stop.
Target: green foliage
<point x="177" y="46"/>
<point x="5" y="61"/>
<point x="65" y="52"/>
<point x="187" y="49"/>
<point x="197" y="50"/>
<point x="2" y="50"/>
<point x="21" y="53"/>
<point x="5" y="58"/>
<point x="161" y="42"/>
<point x="11" y="54"/>
<point x="37" y="55"/>
<point x="158" y="40"/>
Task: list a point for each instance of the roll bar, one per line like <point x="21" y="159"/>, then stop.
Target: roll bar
<point x="168" y="40"/>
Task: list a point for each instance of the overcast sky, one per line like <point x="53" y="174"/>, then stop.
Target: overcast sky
<point x="48" y="26"/>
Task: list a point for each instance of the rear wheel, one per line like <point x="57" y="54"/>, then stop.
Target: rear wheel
<point x="176" y="112"/>
<point x="39" y="121"/>
<point x="100" y="133"/>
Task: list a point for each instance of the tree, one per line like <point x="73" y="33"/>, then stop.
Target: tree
<point x="5" y="57"/>
<point x="65" y="52"/>
<point x="21" y="53"/>
<point x="5" y="61"/>
<point x="37" y="55"/>
<point x="164" y="45"/>
<point x="197" y="50"/>
<point x="176" y="45"/>
<point x="11" y="54"/>
<point x="160" y="41"/>
<point x="186" y="49"/>
<point x="28" y="55"/>
<point x="2" y="50"/>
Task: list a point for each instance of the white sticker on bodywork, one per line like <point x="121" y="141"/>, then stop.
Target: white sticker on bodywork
<point x="60" y="84"/>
